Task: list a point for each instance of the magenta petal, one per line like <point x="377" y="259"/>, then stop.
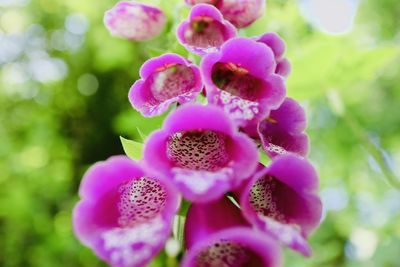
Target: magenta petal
<point x="204" y="157"/>
<point x="125" y="215"/>
<point x="276" y="142"/>
<point x="245" y="52"/>
<point x="166" y="79"/>
<point x="211" y="2"/>
<point x="246" y="91"/>
<point x="242" y="13"/>
<point x="205" y="30"/>
<point x="287" y="234"/>
<point x="193" y="116"/>
<point x="282" y="131"/>
<point x="296" y="172"/>
<point x="290" y="116"/>
<point x="106" y="174"/>
<point x="216" y="234"/>
<point x="283" y="68"/>
<point x="237" y="246"/>
<point x="204" y="219"/>
<point x="135" y="21"/>
<point x="276" y="43"/>
<point x="273" y="41"/>
<point x="282" y="200"/>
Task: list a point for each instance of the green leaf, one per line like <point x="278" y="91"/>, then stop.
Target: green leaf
<point x="264" y="159"/>
<point x="132" y="148"/>
<point x="141" y="134"/>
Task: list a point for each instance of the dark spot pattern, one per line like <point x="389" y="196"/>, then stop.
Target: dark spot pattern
<point x="140" y="201"/>
<point x="171" y="82"/>
<point x="223" y="254"/>
<point x="199" y="150"/>
<point x="237" y="81"/>
<point x="264" y="198"/>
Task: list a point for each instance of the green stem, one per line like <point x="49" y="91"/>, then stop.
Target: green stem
<point x="373" y="150"/>
<point x="339" y="109"/>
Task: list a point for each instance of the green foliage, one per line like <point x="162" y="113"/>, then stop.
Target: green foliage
<point x="132" y="149"/>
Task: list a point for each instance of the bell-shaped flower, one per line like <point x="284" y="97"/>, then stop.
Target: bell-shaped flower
<point x="282" y="200"/>
<point x="277" y="45"/>
<point x="200" y="149"/>
<point x="216" y="234"/>
<point x="165" y="80"/>
<point x="135" y="21"/>
<point x="241" y="79"/>
<point x="211" y="2"/>
<point x="282" y="131"/>
<point x="242" y="13"/>
<point x="125" y="214"/>
<point x="205" y="30"/>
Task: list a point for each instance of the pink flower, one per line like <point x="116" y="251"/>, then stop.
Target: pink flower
<point x="165" y="80"/>
<point x="201" y="151"/>
<point x="125" y="214"/>
<point x="135" y="21"/>
<point x="205" y="30"/>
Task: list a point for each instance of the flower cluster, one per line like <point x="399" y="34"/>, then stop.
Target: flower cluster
<point x="241" y="210"/>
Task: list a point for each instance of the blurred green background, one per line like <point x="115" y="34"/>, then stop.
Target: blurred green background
<point x="63" y="103"/>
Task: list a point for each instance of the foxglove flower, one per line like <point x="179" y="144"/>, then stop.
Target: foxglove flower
<point x="242" y="13"/>
<point x="201" y="150"/>
<point x="165" y="80"/>
<point x="205" y="30"/>
<point x="211" y="2"/>
<point x="216" y="234"/>
<point x="282" y="201"/>
<point x="282" y="131"/>
<point x="125" y="214"/>
<point x="240" y="79"/>
<point x="135" y="21"/>
<point x="277" y="45"/>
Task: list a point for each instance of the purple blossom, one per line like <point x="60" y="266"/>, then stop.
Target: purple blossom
<point x="277" y="45"/>
<point x="135" y="21"/>
<point x="125" y="214"/>
<point x="282" y="200"/>
<point x="165" y="80"/>
<point x="240" y="78"/>
<point x="211" y="2"/>
<point x="201" y="150"/>
<point x="216" y="234"/>
<point x="282" y="131"/>
<point x="205" y="30"/>
<point x="242" y="13"/>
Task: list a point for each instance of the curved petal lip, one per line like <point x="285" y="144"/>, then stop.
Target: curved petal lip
<point x="260" y="245"/>
<point x="216" y="30"/>
<point x="288" y="235"/>
<point x="152" y="95"/>
<point x="299" y="176"/>
<point x="102" y="220"/>
<point x="297" y="144"/>
<point x="198" y="183"/>
<point x="203" y="186"/>
<point x="196" y="116"/>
